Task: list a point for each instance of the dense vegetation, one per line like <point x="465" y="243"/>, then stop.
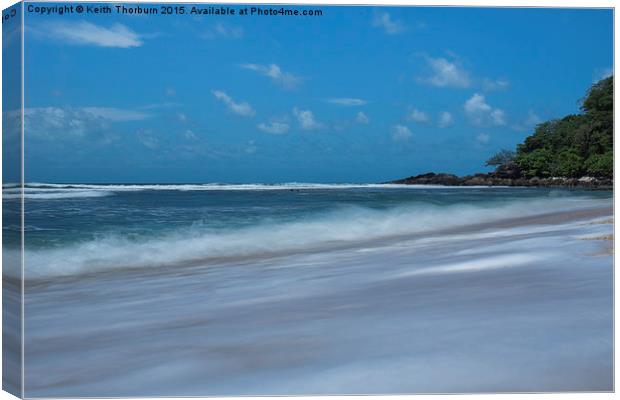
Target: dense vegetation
<point x="573" y="146"/>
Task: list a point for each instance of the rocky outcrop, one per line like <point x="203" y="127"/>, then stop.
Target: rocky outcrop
<point x="505" y="178"/>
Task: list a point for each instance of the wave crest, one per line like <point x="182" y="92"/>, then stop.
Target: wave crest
<point x="56" y="194"/>
<point x="352" y="226"/>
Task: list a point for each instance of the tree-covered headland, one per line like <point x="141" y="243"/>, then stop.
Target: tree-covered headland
<point x="571" y="147"/>
<point x="574" y="151"/>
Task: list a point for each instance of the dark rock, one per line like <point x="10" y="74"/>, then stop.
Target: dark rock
<point x="505" y="177"/>
<point x="430" y="179"/>
<point x="509" y="170"/>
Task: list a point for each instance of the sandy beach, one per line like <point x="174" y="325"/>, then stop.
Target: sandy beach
<point x="516" y="305"/>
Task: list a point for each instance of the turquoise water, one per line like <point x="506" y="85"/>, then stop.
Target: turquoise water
<point x="87" y="227"/>
<point x="204" y="290"/>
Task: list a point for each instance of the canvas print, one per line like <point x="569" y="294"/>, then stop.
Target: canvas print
<point x="252" y="199"/>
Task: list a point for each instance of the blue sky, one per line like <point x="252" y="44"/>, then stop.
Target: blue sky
<point x="359" y="94"/>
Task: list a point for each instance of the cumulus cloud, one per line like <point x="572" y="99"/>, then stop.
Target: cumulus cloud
<point x="489" y="85"/>
<point x="306" y="119"/>
<point x="481" y="113"/>
<point x="274" y="127"/>
<point x="87" y="33"/>
<point x="362" y="118"/>
<point x="157" y="106"/>
<point x="244" y="109"/>
<point x="76" y="122"/>
<point x="445" y="119"/>
<point x="390" y="26"/>
<point x="445" y="73"/>
<point x="116" y="114"/>
<point x="190" y="135"/>
<point x="284" y="79"/>
<point x="416" y="115"/>
<point x="182" y="117"/>
<point x="346" y="101"/>
<point x="401" y="133"/>
<point x="146" y="137"/>
<point x="498" y="117"/>
<point x="483" y="138"/>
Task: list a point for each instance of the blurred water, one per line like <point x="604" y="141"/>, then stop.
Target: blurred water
<point x="433" y="302"/>
<point x="161" y="225"/>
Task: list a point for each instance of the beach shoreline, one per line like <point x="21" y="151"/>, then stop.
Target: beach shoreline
<point x="396" y="315"/>
<point x="545" y="218"/>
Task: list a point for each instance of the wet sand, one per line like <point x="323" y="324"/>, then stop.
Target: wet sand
<point x="521" y="305"/>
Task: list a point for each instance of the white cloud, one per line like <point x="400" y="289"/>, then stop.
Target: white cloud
<point x="446" y="74"/>
<point x="284" y="79"/>
<point x="481" y="113"/>
<point x="445" y="119"/>
<point x="148" y="139"/>
<point x="489" y="85"/>
<point x="189" y="134"/>
<point x="346" y="101"/>
<point x="417" y="115"/>
<point x="116" y="114"/>
<point x="362" y="118"/>
<point x="306" y="119"/>
<point x="76" y="122"/>
<point x="498" y="117"/>
<point x="157" y="106"/>
<point x="87" y="33"/>
<point x="274" y="127"/>
<point x="224" y="31"/>
<point x="483" y="138"/>
<point x="401" y="133"/>
<point x="385" y="21"/>
<point x="244" y="109"/>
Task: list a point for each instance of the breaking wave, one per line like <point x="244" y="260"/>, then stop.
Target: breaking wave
<point x="56" y="194"/>
<point x="351" y="226"/>
<point x="32" y="189"/>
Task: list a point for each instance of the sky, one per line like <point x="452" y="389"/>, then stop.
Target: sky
<point x="358" y="94"/>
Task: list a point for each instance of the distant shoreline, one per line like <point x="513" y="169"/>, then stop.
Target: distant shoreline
<point x="495" y="179"/>
<point x="428" y="179"/>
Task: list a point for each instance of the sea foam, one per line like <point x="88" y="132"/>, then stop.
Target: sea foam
<point x="56" y="191"/>
<point x="346" y="227"/>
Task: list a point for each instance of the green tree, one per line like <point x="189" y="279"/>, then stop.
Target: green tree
<point x="574" y="145"/>
<point x="502" y="157"/>
<point x="600" y="165"/>
<point x="568" y="164"/>
<point x="600" y="97"/>
<point x="535" y="163"/>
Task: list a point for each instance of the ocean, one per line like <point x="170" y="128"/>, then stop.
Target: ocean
<point x="254" y="289"/>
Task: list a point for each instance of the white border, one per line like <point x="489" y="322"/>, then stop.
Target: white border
<point x="471" y="3"/>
